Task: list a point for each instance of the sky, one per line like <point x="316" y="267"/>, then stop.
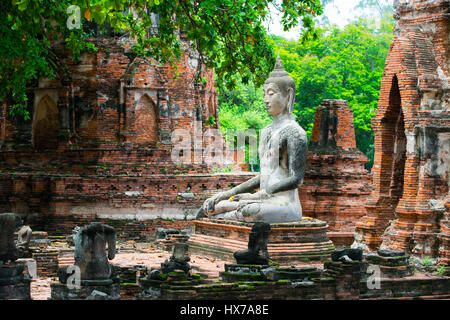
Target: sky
<point x="340" y="12"/>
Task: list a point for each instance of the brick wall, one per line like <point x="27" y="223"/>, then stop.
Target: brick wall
<point x="99" y="144"/>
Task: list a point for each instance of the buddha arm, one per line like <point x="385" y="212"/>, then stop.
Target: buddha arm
<point x="247" y="186"/>
<point x="296" y="143"/>
<point x="208" y="205"/>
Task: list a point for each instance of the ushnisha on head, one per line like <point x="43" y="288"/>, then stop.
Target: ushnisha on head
<point x="279" y="81"/>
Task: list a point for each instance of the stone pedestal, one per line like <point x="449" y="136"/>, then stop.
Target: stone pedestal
<point x="347" y="277"/>
<point x="108" y="289"/>
<point x="393" y="265"/>
<point x="289" y="243"/>
<point x="13" y="284"/>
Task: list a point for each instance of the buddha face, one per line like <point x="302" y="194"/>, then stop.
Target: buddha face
<point x="276" y="102"/>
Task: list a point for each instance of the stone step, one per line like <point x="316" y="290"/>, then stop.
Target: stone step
<point x="298" y="248"/>
<point x="273" y="247"/>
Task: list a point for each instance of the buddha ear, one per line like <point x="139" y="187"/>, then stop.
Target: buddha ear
<point x="291" y="97"/>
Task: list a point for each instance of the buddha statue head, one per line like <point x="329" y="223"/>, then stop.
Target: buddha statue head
<point x="279" y="91"/>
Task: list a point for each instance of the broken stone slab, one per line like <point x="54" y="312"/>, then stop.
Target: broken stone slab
<point x="345" y="258"/>
<point x="299" y="273"/>
<point x="387" y="261"/>
<point x="186" y="195"/>
<point x="391" y="253"/>
<point x="354" y="254"/>
<point x="270" y="273"/>
<point x="41" y="242"/>
<point x="97" y="295"/>
<point x="266" y="272"/>
<point x="162" y="233"/>
<point x="236" y="273"/>
<point x="245" y="268"/>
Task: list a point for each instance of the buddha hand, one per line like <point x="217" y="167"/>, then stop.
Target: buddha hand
<point x="209" y="204"/>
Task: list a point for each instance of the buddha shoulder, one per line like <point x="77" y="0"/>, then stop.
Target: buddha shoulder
<point x="293" y="130"/>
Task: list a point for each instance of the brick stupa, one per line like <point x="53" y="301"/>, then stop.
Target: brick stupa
<point x="407" y="209"/>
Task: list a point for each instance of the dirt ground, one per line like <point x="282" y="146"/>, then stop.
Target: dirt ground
<point x="151" y="258"/>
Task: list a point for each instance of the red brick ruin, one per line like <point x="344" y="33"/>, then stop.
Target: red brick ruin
<point x="99" y="147"/>
<point x="408" y="208"/>
<point x="99" y="143"/>
<point x="336" y="182"/>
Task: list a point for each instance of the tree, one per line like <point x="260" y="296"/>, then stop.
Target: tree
<point x="228" y="34"/>
<point x="242" y="109"/>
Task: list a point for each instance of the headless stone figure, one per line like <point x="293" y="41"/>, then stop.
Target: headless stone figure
<point x="282" y="152"/>
<point x="90" y="251"/>
<point x="178" y="260"/>
<point x="257" y="246"/>
<point x="9" y="223"/>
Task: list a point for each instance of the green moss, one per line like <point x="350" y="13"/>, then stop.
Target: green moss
<point x="242" y="275"/>
<point x="217" y="289"/>
<point x="283" y="281"/>
<point x="163" y="276"/>
<point x="273" y="263"/>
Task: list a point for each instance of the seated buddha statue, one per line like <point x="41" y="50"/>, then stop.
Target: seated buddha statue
<point x="271" y="196"/>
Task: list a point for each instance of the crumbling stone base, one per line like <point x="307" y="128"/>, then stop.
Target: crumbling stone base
<point x="89" y="290"/>
<point x="289" y="243"/>
<point x="13" y="284"/>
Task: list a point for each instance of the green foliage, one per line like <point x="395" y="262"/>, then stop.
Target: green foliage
<point x="242" y="110"/>
<point x="210" y="122"/>
<point x="219" y="170"/>
<point x="247" y="102"/>
<point x="342" y="64"/>
<point x="426" y="262"/>
<point x="442" y="271"/>
<point x="229" y="35"/>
